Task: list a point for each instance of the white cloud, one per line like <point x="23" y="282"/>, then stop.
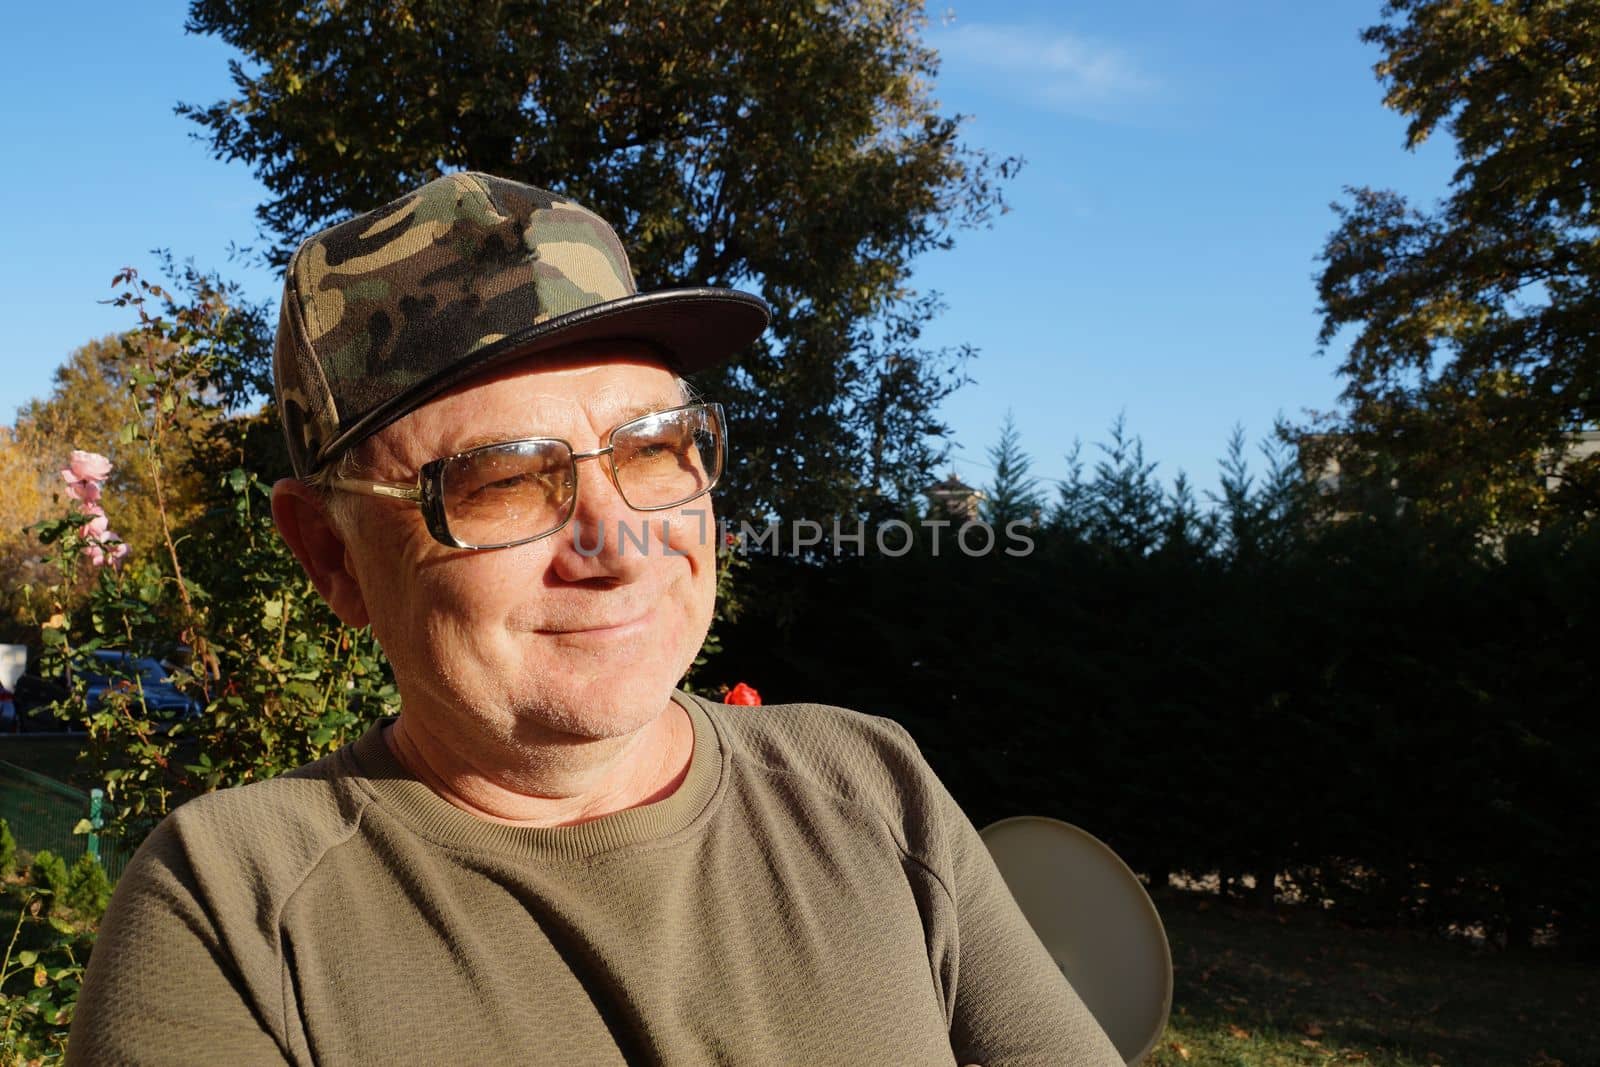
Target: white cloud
<point x="1059" y="70"/>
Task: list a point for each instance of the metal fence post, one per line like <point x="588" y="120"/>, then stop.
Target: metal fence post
<point x="97" y="799"/>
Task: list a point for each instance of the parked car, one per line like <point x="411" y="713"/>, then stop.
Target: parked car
<point x="122" y="669"/>
<point x="33" y="697"/>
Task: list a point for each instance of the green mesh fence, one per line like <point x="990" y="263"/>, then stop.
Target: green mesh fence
<point x="42" y="813"/>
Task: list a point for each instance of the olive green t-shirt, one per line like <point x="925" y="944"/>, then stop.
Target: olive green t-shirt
<point x="810" y="894"/>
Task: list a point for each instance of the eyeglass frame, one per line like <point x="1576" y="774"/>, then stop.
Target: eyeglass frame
<point x="427" y="493"/>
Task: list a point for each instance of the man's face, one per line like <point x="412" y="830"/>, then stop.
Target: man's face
<point x="540" y="641"/>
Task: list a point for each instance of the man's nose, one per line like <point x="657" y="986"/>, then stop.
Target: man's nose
<point x="605" y="538"/>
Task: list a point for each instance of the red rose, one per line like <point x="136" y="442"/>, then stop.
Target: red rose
<point x="742" y="694"/>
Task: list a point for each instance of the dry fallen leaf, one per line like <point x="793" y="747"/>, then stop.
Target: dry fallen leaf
<point x="1239" y="1032"/>
<point x="1182" y="1052"/>
<point x="1312" y="1030"/>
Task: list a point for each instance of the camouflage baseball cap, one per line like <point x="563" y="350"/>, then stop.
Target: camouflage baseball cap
<point x="385" y="311"/>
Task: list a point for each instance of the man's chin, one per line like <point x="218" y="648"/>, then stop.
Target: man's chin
<point x="598" y="713"/>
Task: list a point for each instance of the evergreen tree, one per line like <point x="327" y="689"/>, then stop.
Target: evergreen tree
<point x="1265" y="520"/>
<point x="1071" y="514"/>
<point x="1126" y="499"/>
<point x="1187" y="533"/>
<point x="1013" y="493"/>
<point x="8" y="851"/>
<point x="88" y="890"/>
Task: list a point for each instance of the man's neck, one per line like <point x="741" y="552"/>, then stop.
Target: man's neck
<point x="572" y="785"/>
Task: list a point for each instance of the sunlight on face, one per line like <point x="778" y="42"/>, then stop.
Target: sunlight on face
<point x="560" y="638"/>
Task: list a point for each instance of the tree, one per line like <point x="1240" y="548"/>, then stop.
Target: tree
<point x="88" y="889"/>
<point x="1188" y="535"/>
<point x="1127" y="506"/>
<point x="1013" y="495"/>
<point x="27" y="500"/>
<point x="1070" y="514"/>
<point x="790" y="149"/>
<point x="281" y="680"/>
<point x="1474" y="353"/>
<point x="1262" y="522"/>
<point x="92" y="398"/>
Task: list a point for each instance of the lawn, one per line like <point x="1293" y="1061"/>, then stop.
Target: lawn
<point x="1255" y="990"/>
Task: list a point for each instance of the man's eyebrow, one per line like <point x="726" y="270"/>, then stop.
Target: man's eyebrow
<point x="496" y="437"/>
<point x="633" y="411"/>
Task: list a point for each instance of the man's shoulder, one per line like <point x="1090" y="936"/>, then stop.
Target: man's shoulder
<point x="268" y="833"/>
<point x="809" y="730"/>
<point x="867" y="759"/>
<point x="320" y="792"/>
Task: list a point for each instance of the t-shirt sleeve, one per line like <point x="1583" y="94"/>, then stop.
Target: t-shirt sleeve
<point x="160" y="988"/>
<point x="1013" y="1006"/>
<point x="1009" y="1004"/>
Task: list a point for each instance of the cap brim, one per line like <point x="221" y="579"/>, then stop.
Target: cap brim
<point x="696" y="328"/>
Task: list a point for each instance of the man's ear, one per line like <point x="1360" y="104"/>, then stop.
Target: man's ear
<point x="303" y="522"/>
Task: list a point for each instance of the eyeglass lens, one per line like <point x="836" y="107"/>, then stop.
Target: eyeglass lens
<point x="522" y="489"/>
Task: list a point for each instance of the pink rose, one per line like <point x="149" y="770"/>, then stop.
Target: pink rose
<point x="106" y="550"/>
<point x="83" y="474"/>
<point x="87" y="493"/>
<point x="86" y="467"/>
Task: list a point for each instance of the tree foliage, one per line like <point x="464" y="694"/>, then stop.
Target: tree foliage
<point x="27" y="499"/>
<point x="1474" y="354"/>
<point x="1013" y="493"/>
<point x="42" y="967"/>
<point x="280" y="680"/>
<point x="94" y="396"/>
<point x="1406" y="734"/>
<point x="791" y="149"/>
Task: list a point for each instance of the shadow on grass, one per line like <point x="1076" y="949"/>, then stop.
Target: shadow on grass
<point x="1256" y="990"/>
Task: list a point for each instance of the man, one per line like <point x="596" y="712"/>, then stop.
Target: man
<point x="550" y="856"/>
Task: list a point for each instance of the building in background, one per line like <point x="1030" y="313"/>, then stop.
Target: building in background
<point x="953" y="499"/>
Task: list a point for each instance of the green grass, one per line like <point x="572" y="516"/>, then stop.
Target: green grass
<point x="1255" y="990"/>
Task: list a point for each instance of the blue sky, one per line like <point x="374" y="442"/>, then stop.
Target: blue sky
<point x="1158" y="259"/>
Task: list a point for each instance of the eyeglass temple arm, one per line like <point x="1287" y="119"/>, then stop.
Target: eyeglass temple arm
<point x="388" y="489"/>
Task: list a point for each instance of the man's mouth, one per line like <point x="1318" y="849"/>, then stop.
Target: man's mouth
<point x="620" y="626"/>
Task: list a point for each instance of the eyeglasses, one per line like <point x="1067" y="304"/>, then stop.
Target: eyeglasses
<point x="513" y="492"/>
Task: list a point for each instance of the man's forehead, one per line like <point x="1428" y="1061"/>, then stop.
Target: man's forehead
<point x="552" y="416"/>
<point x="533" y="402"/>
